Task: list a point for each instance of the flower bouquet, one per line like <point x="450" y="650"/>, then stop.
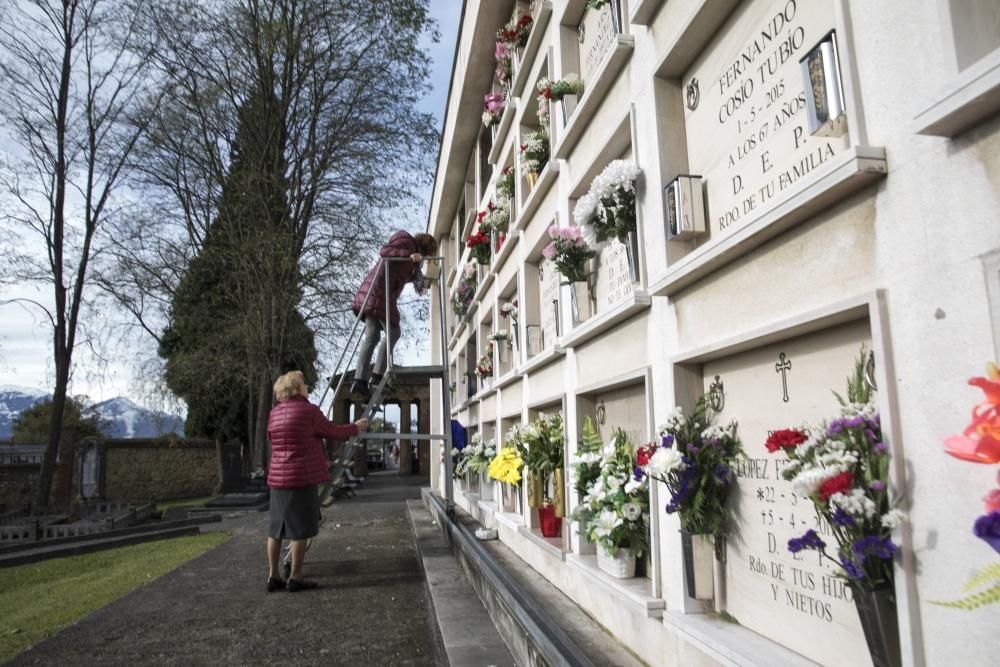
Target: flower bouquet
<point x="484" y="366"/>
<point x="534" y="155"/>
<point x="608" y="209"/>
<point x="494" y="221"/>
<point x="505" y="184"/>
<point x="479" y="454"/>
<point x="479" y="247"/>
<point x="571" y="255"/>
<point x="565" y="91"/>
<point x="506" y="468"/>
<point x="695" y="460"/>
<point x="842" y="465"/>
<point x="587" y="462"/>
<point x="493" y="107"/>
<point x="515" y="34"/>
<point x="543" y="454"/>
<point x="505" y="66"/>
<point x="464" y="291"/>
<point x="614" y="511"/>
<point x="980" y="443"/>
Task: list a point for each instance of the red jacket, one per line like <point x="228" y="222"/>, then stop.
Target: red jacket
<point x="296" y="428"/>
<point x="402" y="244"/>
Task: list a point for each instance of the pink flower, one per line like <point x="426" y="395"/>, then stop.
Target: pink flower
<point x="579" y="242"/>
<point x="571" y="233"/>
<point x="554" y="232"/>
<point x="501" y="51"/>
<point x="549" y="251"/>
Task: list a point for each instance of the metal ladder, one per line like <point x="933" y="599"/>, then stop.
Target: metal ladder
<point x="439" y="371"/>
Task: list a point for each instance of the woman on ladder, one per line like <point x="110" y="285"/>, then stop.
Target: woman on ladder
<point x="370" y="303"/>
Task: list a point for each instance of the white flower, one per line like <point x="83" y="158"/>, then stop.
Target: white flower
<point x="665" y="460"/>
<point x="807" y="482"/>
<point x="608" y="451"/>
<point x="633" y="485"/>
<point x="893" y="518"/>
<point x="613" y="484"/>
<point x="714" y="432"/>
<point x="857" y="504"/>
<point x="606" y="522"/>
<point x="595" y="493"/>
<point x="588" y="458"/>
<point x="631" y="511"/>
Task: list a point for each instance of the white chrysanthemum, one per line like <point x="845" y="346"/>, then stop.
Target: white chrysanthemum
<point x="606" y="522"/>
<point x="714" y="432"/>
<point x="665" y="460"/>
<point x="893" y="518"/>
<point x="631" y="511"/>
<point x="807" y="482"/>
<point x="613" y="484"/>
<point x="633" y="485"/>
<point x="856" y="503"/>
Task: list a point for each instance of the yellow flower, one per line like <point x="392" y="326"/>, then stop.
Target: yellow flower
<point x="506" y="466"/>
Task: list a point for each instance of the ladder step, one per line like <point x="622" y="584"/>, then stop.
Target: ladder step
<point x="418" y="372"/>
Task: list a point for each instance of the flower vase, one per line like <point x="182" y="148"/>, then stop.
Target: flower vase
<point x="485" y="487"/>
<point x="503" y="350"/>
<point x="699" y="565"/>
<point x="567" y="105"/>
<point x="579" y="293"/>
<point x="632" y="254"/>
<point x="559" y="492"/>
<point x="532" y="178"/>
<point x="472" y="482"/>
<point x="501" y="238"/>
<point x="494" y="130"/>
<point x="620" y="565"/>
<point x="508" y="494"/>
<point x="877" y="612"/>
<point x="550" y="524"/>
<point x="536" y="493"/>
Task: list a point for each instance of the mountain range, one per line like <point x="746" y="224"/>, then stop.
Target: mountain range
<point x="123" y="418"/>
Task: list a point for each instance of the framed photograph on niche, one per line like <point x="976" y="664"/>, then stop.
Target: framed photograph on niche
<point x="824" y="94"/>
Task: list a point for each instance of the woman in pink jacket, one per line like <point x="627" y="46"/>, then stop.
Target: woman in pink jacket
<point x="296" y="428"/>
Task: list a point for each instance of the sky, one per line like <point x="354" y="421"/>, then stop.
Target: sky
<point x="25" y="343"/>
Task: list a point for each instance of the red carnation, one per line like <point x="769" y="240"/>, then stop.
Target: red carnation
<point x="786" y="438"/>
<point x="643" y="455"/>
<point x="842" y="483"/>
<point x="482" y="214"/>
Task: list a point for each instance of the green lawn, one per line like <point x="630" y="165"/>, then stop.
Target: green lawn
<point x="39" y="599"/>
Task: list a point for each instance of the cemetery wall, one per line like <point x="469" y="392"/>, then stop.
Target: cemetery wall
<point x="160" y="470"/>
<point x="17" y="485"/>
<point x="883" y="232"/>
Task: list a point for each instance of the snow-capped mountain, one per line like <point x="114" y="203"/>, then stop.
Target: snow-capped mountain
<point x="123" y="418"/>
<point x="14" y="400"/>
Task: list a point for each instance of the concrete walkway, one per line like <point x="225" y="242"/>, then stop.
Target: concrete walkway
<point x="372" y="607"/>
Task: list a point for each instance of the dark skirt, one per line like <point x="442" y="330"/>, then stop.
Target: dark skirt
<point x="295" y="513"/>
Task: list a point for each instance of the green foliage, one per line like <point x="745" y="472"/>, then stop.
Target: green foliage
<point x="544" y="439"/>
<point x="618" y="219"/>
<point x="858" y="389"/>
<point x="989" y="577"/>
<point x="42" y="598"/>
<point x="32" y="425"/>
<point x="588" y="466"/>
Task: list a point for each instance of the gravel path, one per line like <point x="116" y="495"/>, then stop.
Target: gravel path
<point x="372" y="607"/>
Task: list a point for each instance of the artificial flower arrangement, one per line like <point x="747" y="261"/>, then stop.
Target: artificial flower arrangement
<point x="484" y="367"/>
<point x="980" y="443"/>
<point x="495" y="218"/>
<point x="614" y="511"/>
<point x="515" y="34"/>
<point x="569" y="252"/>
<point x="695" y="459"/>
<point x="509" y="310"/>
<point x="543" y="448"/>
<point x="608" y="209"/>
<point x="534" y="152"/>
<point x="842" y="465"/>
<point x="459" y="462"/>
<point x="493" y="107"/>
<point x="479" y="247"/>
<point x="555" y="91"/>
<point x="543" y="98"/>
<point x="479" y="454"/>
<point x="498" y="335"/>
<point x="464" y="291"/>
<point x="506" y="466"/>
<point x="505" y="183"/>
<point x="587" y="462"/>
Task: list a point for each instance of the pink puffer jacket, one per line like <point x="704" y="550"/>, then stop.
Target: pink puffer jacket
<point x="296" y="428"/>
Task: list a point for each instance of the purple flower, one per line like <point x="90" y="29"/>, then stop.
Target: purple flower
<point x="877" y="485"/>
<point x="870" y="434"/>
<point x="874" y="545"/>
<point x="667" y="441"/>
<point x="852" y="569"/>
<point x="842" y="518"/>
<point x="638" y="474"/>
<point x="987" y="528"/>
<point x="692" y="450"/>
<point x="809" y="540"/>
<point x="721" y="472"/>
<point x="880" y="447"/>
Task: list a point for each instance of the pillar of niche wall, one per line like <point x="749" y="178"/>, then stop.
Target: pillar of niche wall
<point x="405" y="450"/>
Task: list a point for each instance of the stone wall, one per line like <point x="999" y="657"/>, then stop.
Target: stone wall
<point x="17" y="485"/>
<point x="159" y="469"/>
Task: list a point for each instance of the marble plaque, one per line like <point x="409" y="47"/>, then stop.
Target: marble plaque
<point x="795" y="600"/>
<point x="614" y="281"/>
<point x="548" y="302"/>
<point x="747" y="131"/>
<point x="596" y="35"/>
<point x="623" y="408"/>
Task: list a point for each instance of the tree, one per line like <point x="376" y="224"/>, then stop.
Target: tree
<point x="72" y="74"/>
<point x="338" y="81"/>
<point x="79" y="417"/>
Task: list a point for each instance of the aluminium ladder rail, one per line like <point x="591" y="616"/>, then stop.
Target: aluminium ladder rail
<point x="429" y="372"/>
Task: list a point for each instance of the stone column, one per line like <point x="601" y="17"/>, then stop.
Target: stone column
<point x="424" y="446"/>
<point x="405" y="454"/>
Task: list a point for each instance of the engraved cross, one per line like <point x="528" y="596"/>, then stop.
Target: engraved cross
<point x="783" y="366"/>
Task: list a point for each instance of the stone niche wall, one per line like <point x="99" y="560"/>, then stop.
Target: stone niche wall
<point x="159" y="469"/>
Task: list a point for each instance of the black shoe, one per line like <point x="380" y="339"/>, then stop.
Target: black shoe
<point x="275" y="585"/>
<point x="295" y="585"/>
<point x="361" y="387"/>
